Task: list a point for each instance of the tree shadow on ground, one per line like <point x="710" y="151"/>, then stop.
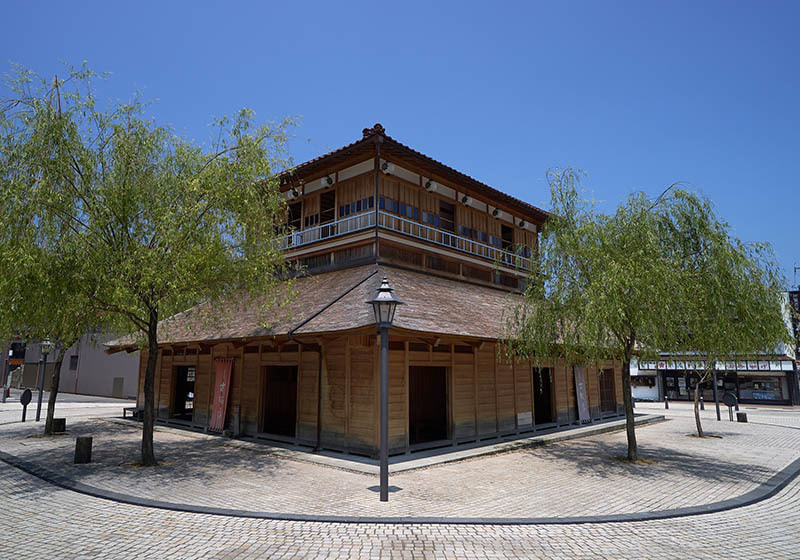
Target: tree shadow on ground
<point x="607" y="459"/>
<point x="116" y="451"/>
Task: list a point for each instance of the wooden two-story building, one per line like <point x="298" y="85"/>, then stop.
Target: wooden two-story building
<point x="457" y="253"/>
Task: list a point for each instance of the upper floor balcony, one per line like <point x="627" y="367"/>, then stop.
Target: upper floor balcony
<point x="517" y="258"/>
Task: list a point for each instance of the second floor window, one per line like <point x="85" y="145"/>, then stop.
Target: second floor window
<point x="447" y="216"/>
<point x="295" y="215"/>
<point x="327" y="207"/>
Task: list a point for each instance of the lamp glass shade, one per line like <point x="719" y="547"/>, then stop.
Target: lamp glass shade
<point x="46" y="346"/>
<point x="384" y="304"/>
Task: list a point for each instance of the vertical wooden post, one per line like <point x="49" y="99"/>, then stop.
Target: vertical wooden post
<point x="347" y="391"/>
<point x="319" y="393"/>
<point x="300" y="373"/>
<point x="406" y="391"/>
<point x="516" y="408"/>
<point x="496" y="394"/>
<point x="212" y="373"/>
<point x="475" y="391"/>
<point x="451" y="394"/>
<point x="533" y="411"/>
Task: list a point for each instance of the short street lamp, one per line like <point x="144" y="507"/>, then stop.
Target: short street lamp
<point x="384" y="304"/>
<point x="45" y="347"/>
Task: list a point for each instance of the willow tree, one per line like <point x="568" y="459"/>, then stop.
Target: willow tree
<point x="733" y="290"/>
<point x="149" y="223"/>
<point x="601" y="289"/>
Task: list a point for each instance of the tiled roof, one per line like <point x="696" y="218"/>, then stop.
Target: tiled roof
<point x="431" y="305"/>
<point x="388" y="142"/>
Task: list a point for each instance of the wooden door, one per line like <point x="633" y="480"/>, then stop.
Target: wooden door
<point x="280" y="401"/>
<point x="542" y="395"/>
<point x="608" y="401"/>
<point x="427" y="406"/>
<point x="183" y="397"/>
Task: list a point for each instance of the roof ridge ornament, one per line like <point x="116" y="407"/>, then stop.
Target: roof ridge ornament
<point x="377" y="128"/>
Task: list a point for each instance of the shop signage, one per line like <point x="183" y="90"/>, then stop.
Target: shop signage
<point x="219" y="406"/>
<point x="752" y="365"/>
<point x="794" y="303"/>
<point x="741" y="365"/>
<point x="580" y="394"/>
<point x="662" y="364"/>
<point x="776" y="366"/>
<point x="730" y="366"/>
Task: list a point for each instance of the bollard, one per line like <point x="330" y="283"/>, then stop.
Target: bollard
<point x="741" y="417"/>
<point x="59" y="425"/>
<point x="702" y="404"/>
<point x="83" y="449"/>
<point x="666" y="403"/>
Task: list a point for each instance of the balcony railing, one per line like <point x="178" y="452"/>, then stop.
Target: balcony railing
<point x="452" y="241"/>
<point x="408" y="227"/>
<point x="340" y="227"/>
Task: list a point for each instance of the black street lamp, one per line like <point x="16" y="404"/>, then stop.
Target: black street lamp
<point x="45" y="347"/>
<point x="384" y="304"/>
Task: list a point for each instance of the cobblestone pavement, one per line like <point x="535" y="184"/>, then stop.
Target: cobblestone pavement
<point x="573" y="478"/>
<point x="39" y="520"/>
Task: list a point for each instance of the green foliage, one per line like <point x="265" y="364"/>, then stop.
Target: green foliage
<point x="113" y="221"/>
<point x="124" y="217"/>
<point x="601" y="286"/>
<point x="657" y="275"/>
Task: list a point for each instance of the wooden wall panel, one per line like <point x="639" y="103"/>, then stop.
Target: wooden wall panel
<point x="250" y="372"/>
<point x="463" y="400"/>
<point x="233" y="416"/>
<point x="593" y="390"/>
<point x="362" y="421"/>
<point x="334" y="406"/>
<point x="561" y="389"/>
<point x="398" y="400"/>
<point x="164" y="387"/>
<point x="307" y="397"/>
<point x="522" y="373"/>
<point x="487" y="397"/>
<point x="506" y="411"/>
<point x="142" y="368"/>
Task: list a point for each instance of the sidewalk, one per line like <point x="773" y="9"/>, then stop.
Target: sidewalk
<point x="563" y="480"/>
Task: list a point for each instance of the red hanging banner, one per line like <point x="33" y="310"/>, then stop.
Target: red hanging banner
<point x="219" y="406"/>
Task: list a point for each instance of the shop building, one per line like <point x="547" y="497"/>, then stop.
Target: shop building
<point x="753" y="381"/>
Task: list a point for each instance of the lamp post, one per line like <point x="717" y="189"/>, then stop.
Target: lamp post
<point x="45" y="347"/>
<point x="384" y="304"/>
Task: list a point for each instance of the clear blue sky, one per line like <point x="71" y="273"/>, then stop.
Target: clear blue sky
<point x="638" y="94"/>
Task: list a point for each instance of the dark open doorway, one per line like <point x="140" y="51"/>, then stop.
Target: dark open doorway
<point x="427" y="404"/>
<point x="608" y="400"/>
<point x="542" y="395"/>
<point x="183" y="397"/>
<point x="280" y="400"/>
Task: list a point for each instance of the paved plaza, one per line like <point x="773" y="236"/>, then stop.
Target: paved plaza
<point x="581" y="477"/>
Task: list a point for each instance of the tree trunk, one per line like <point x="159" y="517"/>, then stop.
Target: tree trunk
<point x="627" y="399"/>
<point x="697" y="406"/>
<point x="148" y="455"/>
<point x="51" y="399"/>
